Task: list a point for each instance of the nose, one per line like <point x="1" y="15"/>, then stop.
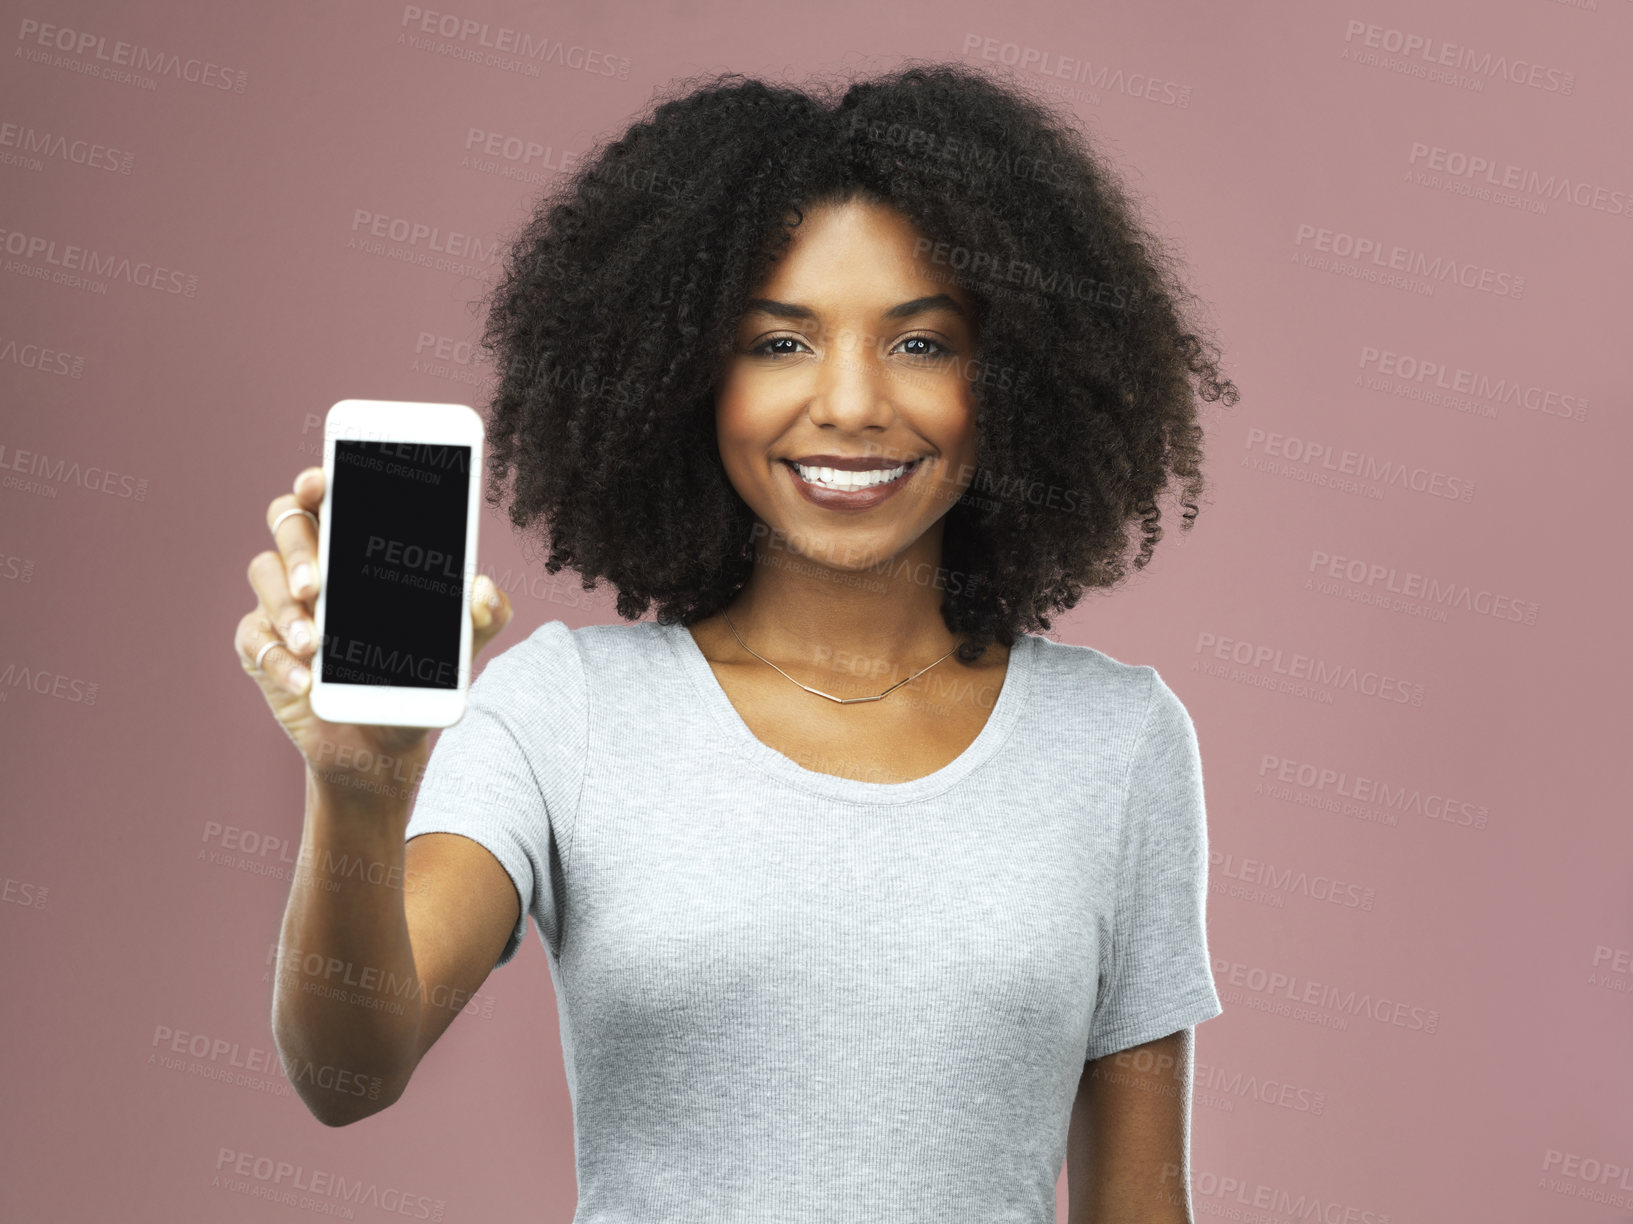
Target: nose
<point x="850" y="385"/>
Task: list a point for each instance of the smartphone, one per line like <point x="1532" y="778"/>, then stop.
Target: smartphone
<point x="397" y="559"/>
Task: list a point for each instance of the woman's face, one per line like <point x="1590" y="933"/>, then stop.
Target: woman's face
<point x="852" y="351"/>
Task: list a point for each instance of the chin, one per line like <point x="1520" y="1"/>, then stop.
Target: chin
<point x="857" y="550"/>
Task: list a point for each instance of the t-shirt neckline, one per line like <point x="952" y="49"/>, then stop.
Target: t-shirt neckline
<point x="1000" y="722"/>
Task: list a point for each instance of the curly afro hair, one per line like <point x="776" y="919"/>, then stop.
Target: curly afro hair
<point x="620" y="297"/>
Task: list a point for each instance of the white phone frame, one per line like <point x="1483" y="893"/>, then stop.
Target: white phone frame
<point x="359" y="420"/>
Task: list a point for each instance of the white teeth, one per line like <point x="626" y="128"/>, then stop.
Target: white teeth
<point x="833" y="478"/>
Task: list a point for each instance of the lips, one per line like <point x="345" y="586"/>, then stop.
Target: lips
<point x="850" y="479"/>
<point x="862" y="497"/>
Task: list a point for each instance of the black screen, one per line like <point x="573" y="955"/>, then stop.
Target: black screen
<point x="397" y="518"/>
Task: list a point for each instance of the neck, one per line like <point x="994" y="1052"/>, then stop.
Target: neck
<point x="879" y="618"/>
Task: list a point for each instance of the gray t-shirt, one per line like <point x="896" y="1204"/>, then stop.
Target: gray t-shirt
<point x="786" y="995"/>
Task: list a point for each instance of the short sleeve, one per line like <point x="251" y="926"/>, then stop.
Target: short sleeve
<point x="507" y="775"/>
<point x="1155" y="978"/>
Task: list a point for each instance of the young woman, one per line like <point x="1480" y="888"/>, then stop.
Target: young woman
<point x="861" y="899"/>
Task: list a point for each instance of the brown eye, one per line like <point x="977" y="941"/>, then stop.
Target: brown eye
<point x="763" y="348"/>
<point x="939" y="349"/>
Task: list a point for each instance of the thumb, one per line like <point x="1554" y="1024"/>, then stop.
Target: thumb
<point x="490" y="612"/>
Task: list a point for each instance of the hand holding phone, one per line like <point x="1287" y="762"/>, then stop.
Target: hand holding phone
<point x="277" y="641"/>
<point x="397" y="547"/>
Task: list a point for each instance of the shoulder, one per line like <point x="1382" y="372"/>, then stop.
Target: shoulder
<point x="557" y="660"/>
<point x="1117" y="702"/>
<point x="548" y="648"/>
<point x="1077" y="676"/>
<point x="540" y="676"/>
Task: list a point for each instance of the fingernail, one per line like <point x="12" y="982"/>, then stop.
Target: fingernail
<point x="302" y="577"/>
<point x="298" y="679"/>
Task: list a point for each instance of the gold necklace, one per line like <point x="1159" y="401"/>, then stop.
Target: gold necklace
<point x="819" y="692"/>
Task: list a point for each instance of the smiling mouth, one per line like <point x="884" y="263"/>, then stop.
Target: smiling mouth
<point x="841" y="481"/>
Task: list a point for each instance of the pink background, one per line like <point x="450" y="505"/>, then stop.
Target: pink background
<point x="1462" y="854"/>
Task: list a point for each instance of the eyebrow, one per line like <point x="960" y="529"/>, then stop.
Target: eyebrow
<point x="793" y="310"/>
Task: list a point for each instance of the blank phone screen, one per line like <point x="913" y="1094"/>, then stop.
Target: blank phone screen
<point x="396" y="564"/>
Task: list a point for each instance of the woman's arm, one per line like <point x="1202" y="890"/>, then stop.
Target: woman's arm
<point x="370" y="974"/>
<point x="1128" y="1148"/>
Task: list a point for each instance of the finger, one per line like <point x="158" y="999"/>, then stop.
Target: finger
<point x="263" y="654"/>
<point x="287" y="614"/>
<point x="309" y="488"/>
<point x="490" y="611"/>
<point x="483" y="603"/>
<point x="297" y="539"/>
